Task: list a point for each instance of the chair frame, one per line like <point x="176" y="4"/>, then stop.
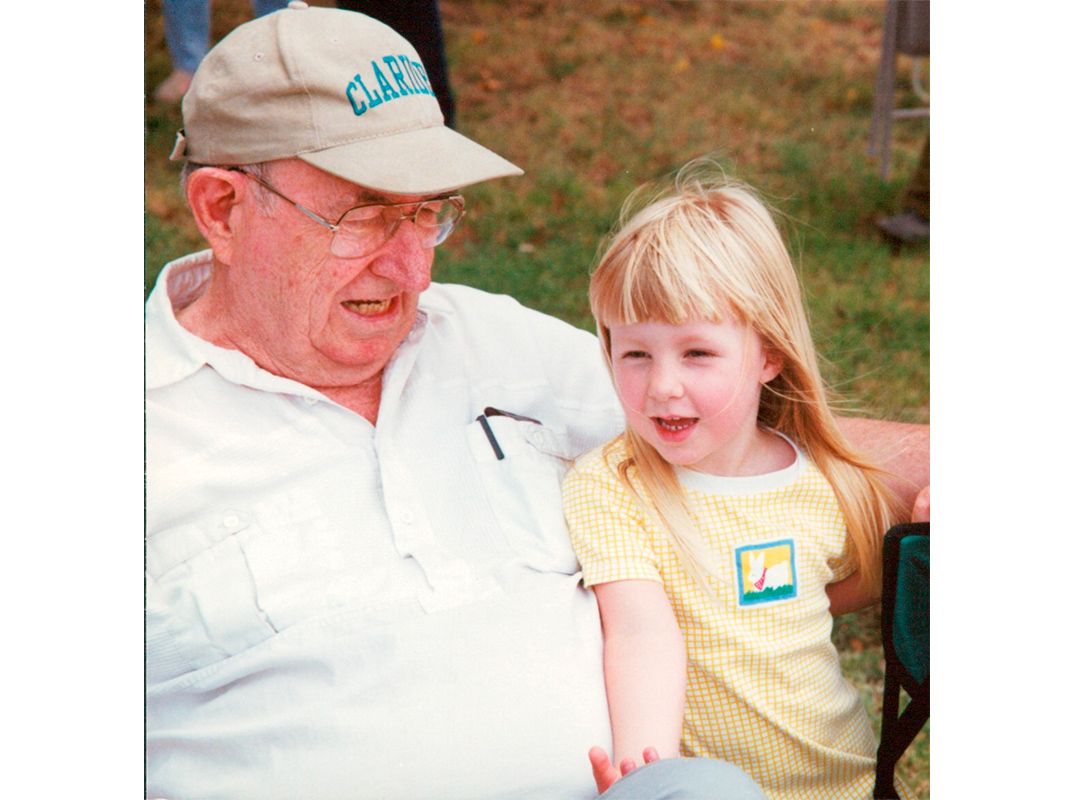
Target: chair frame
<point x="883" y="113"/>
<point x="898" y="728"/>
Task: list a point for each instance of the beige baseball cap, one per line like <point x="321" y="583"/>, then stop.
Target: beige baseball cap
<point x="337" y="89"/>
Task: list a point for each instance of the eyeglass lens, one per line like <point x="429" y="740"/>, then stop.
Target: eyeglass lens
<point x="364" y="229"/>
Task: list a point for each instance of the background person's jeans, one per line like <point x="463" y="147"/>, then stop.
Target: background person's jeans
<point x="188" y="26"/>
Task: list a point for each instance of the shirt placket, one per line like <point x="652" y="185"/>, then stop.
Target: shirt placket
<point x="451" y="579"/>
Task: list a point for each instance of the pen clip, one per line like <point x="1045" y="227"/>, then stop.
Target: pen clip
<point x="498" y="412"/>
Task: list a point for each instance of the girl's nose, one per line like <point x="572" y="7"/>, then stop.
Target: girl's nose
<point x="665" y="384"/>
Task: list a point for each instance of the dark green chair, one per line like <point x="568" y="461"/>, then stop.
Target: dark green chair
<point x="906" y="628"/>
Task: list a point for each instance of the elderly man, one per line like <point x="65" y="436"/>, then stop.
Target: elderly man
<point x="359" y="580"/>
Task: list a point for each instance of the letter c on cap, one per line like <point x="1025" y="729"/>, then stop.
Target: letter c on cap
<point x="358" y="110"/>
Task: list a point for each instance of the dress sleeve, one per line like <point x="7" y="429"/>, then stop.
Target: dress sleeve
<point x="844" y="564"/>
<point x="606" y="525"/>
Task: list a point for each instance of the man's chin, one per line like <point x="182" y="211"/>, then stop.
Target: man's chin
<point x="367" y="355"/>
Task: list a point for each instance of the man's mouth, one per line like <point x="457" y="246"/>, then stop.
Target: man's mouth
<point x="368" y="308"/>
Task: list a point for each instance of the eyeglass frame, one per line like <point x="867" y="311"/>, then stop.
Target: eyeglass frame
<point x="457" y="200"/>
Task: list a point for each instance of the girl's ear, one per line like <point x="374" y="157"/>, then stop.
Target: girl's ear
<point x="773" y="361"/>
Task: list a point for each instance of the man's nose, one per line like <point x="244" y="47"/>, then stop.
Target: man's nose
<point x="404" y="260"/>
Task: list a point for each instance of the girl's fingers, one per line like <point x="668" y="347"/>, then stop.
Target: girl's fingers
<point x="602" y="770"/>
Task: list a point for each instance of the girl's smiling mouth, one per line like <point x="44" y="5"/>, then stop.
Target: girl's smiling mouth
<point x="674" y="428"/>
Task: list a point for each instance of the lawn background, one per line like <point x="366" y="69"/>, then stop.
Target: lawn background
<point x="592" y="98"/>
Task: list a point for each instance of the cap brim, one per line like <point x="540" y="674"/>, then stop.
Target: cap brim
<point x="423" y="161"/>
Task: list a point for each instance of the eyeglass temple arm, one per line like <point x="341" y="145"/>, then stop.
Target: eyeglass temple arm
<point x="308" y="212"/>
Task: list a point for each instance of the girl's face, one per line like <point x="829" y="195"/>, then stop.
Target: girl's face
<point x="692" y="390"/>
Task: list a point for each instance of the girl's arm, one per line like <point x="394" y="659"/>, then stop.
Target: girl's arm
<point x="846" y="595"/>
<point x="644" y="667"/>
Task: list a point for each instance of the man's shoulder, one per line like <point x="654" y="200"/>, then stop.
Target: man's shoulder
<point x="449" y="295"/>
<point x="480" y="307"/>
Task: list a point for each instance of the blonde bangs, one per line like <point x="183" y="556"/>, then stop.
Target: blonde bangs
<point x="693" y="255"/>
<point x="658" y="271"/>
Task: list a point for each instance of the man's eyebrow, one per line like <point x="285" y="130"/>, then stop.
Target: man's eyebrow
<point x="361" y="199"/>
<point x="341" y="204"/>
<point x="365" y="198"/>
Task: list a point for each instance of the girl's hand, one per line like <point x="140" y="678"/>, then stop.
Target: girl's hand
<point x="604" y="771"/>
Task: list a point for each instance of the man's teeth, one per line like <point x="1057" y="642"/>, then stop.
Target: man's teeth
<point x="367" y="307"/>
<point x="674" y="423"/>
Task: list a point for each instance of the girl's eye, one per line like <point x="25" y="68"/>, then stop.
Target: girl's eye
<point x="634" y="354"/>
<point x="699" y="354"/>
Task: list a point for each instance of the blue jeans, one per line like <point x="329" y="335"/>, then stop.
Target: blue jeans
<point x="685" y="779"/>
<point x="188" y="24"/>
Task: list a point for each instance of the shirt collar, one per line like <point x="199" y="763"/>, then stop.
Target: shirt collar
<point x="172" y="352"/>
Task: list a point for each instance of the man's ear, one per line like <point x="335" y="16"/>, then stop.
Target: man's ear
<point x="773" y="361"/>
<point x="213" y="194"/>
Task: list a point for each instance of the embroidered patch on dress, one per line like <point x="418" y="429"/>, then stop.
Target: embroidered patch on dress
<point x="766" y="572"/>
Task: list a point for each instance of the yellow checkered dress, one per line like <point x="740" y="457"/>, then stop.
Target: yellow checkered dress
<point x="765" y="689"/>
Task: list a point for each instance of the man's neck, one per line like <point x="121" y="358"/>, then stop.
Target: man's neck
<point x="362" y="397"/>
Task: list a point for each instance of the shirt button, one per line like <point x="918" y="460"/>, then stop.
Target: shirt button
<point x="230" y="521"/>
<point x="406" y="517"/>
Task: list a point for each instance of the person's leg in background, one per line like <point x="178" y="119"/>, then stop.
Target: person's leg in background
<point x="917" y="197"/>
<point x="186" y="30"/>
<point x="262" y="7"/>
<point x="913" y="223"/>
<point x="419" y="23"/>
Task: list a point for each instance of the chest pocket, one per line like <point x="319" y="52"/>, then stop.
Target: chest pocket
<point x="524" y="488"/>
<point x="201" y="600"/>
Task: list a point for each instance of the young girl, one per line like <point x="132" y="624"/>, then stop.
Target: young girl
<point x="713" y="527"/>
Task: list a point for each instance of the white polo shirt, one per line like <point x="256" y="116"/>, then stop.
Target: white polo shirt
<point x="336" y="609"/>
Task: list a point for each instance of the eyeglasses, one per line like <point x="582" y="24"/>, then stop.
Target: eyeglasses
<point x="364" y="229"/>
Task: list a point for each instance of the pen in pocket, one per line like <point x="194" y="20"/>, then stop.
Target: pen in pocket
<point x="491" y="437"/>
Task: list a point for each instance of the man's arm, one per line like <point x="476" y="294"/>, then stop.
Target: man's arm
<point x="903" y="450"/>
<point x="900" y="448"/>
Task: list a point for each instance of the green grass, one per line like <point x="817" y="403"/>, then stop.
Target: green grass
<point x="592" y="98"/>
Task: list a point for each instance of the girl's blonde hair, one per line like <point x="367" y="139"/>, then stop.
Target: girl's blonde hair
<point x="699" y="248"/>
